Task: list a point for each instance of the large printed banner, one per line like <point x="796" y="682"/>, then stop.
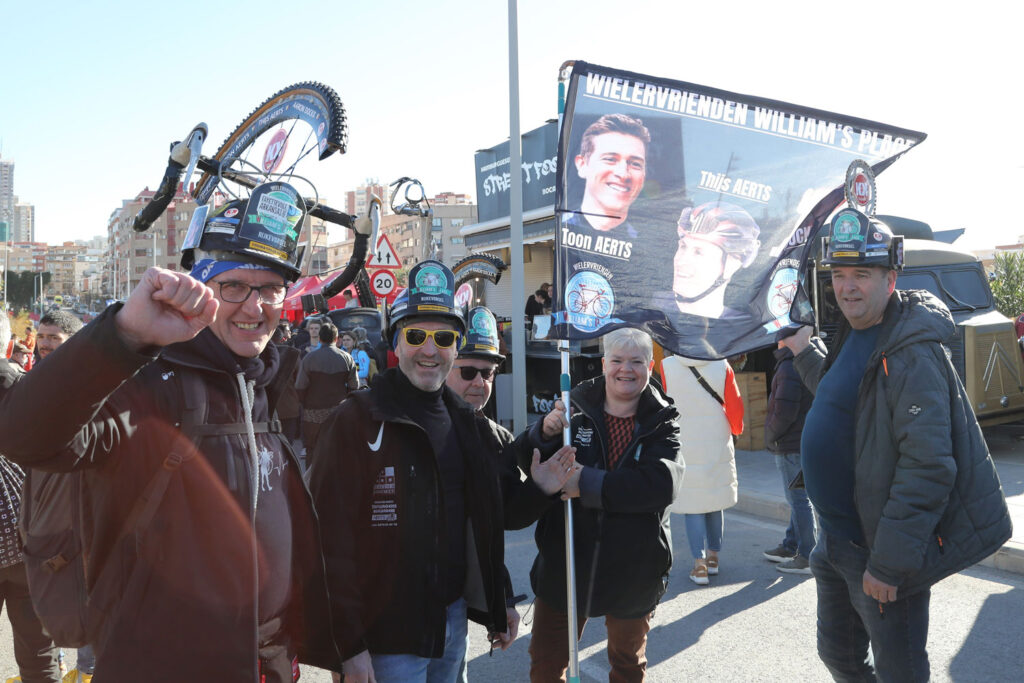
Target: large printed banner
<point x="686" y="210"/>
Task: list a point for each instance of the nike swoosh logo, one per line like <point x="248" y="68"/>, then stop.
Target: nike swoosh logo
<point x="375" y="445"/>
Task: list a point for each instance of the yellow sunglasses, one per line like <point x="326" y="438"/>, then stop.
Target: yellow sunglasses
<point x="443" y="339"/>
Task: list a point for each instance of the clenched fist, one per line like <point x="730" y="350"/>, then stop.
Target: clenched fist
<point x="166" y="307"/>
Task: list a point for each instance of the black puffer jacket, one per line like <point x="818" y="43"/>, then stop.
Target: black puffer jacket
<point x="788" y="404"/>
<point x="926" y="489"/>
<point x="186" y="592"/>
<point x="522" y="501"/>
<point x="621" y="519"/>
<point x="376" y="484"/>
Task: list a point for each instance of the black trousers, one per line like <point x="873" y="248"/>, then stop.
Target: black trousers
<point x="34" y="652"/>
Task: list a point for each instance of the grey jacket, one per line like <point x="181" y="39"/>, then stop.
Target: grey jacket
<point x="926" y="489"/>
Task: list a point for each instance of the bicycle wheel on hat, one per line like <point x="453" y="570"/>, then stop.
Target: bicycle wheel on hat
<point x="282" y="139"/>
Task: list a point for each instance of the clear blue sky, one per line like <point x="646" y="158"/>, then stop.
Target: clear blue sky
<point x="92" y="93"/>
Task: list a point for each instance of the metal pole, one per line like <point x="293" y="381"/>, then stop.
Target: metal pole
<point x="565" y="383"/>
<point x="516" y="226"/>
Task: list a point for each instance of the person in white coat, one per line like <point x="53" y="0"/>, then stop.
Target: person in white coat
<point x="711" y="412"/>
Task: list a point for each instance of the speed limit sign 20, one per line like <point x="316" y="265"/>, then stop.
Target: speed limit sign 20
<point x="382" y="283"/>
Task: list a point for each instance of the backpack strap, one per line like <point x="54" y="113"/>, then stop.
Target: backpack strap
<point x="194" y="416"/>
<point x="707" y="387"/>
<point x="195" y="400"/>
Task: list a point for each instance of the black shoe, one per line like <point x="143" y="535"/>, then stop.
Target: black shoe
<point x="798" y="565"/>
<point x="779" y="553"/>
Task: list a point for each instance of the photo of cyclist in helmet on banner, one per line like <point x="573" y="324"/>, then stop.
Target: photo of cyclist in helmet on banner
<point x="686" y="210"/>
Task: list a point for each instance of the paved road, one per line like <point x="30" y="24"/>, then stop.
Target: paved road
<point x="754" y="624"/>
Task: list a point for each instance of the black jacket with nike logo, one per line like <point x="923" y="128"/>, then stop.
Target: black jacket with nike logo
<point x="376" y="487"/>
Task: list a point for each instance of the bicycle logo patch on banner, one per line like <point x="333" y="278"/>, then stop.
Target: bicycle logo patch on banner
<point x="273" y="219"/>
<point x="590" y="301"/>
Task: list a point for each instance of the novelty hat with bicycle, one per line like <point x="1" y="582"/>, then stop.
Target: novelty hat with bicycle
<point x="481" y="336"/>
<point x="856" y="237"/>
<point x="261" y="231"/>
<point x="430" y="294"/>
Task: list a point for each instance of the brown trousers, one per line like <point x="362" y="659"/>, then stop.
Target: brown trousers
<point x="549" y="645"/>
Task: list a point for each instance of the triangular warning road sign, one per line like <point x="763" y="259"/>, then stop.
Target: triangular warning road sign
<point x="384" y="256"/>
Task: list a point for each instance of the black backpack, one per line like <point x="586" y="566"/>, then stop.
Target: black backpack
<point x="56" y="520"/>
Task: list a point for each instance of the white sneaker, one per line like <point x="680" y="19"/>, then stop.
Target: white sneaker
<point x="699" y="575"/>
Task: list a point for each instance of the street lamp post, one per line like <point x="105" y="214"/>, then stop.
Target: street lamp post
<point x="7" y="260"/>
<point x="38" y="288"/>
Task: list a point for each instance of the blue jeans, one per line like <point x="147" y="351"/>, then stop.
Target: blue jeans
<point x="849" y="620"/>
<point x="705" y="527"/>
<point x="448" y="668"/>
<point x="800" y="532"/>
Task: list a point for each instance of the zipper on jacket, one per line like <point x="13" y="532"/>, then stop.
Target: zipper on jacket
<point x="637" y="438"/>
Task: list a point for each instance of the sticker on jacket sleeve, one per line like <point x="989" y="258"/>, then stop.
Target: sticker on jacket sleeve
<point x="384" y="511"/>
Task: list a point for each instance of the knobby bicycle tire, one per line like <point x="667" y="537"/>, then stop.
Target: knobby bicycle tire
<point x="317" y="96"/>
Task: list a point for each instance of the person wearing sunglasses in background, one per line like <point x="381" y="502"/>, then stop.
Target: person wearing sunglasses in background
<point x="410" y="504"/>
<point x="525" y="500"/>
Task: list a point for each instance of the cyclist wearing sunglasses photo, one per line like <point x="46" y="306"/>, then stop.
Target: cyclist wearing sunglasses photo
<point x="409" y="503"/>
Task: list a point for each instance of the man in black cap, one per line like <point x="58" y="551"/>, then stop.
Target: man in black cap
<point x="411" y="505"/>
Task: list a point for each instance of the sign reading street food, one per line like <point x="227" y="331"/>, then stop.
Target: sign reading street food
<point x="687" y="210"/>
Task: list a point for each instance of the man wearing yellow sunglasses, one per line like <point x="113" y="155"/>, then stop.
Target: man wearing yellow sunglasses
<point x="406" y="486"/>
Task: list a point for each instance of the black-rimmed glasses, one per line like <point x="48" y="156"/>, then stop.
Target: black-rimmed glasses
<point x="239" y="292"/>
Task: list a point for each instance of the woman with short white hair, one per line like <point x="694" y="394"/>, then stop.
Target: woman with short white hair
<point x="626" y="439"/>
